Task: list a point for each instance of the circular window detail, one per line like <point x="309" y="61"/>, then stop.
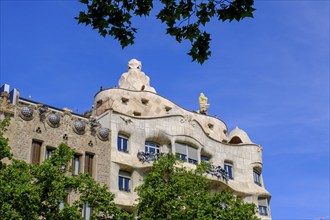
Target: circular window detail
<point x="54" y="119"/>
<point x="79" y="127"/>
<point x="26" y="112"/>
<point x="103" y="133"/>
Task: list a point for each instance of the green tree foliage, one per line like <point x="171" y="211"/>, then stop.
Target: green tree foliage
<point x="184" y="19"/>
<point x="171" y="191"/>
<point x="36" y="191"/>
<point x="4" y="146"/>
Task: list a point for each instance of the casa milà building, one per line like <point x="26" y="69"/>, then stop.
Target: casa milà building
<point x="128" y="126"/>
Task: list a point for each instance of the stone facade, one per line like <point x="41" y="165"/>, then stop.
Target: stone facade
<point x="127" y="127"/>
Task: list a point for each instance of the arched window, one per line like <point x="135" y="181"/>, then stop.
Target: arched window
<point x="235" y="140"/>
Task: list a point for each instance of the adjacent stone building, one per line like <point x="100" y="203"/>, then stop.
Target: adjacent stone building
<point x="130" y="125"/>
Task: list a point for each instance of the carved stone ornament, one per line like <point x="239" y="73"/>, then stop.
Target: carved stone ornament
<point x="189" y="119"/>
<point x="93" y="124"/>
<point x="126" y="120"/>
<point x="79" y="126"/>
<point x="43" y="109"/>
<point x="26" y="113"/>
<point x="103" y="133"/>
<point x="54" y="119"/>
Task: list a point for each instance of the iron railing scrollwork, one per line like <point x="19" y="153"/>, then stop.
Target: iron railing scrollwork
<point x="148" y="157"/>
<point x="219" y="172"/>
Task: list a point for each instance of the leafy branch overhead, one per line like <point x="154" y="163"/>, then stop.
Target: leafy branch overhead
<point x="185" y="19"/>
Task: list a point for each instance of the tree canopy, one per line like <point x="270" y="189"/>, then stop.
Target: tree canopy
<point x="38" y="191"/>
<point x="184" y="19"/>
<point x="170" y="191"/>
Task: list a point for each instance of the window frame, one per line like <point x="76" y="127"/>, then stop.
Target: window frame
<point x="151" y="145"/>
<point x="185" y="157"/>
<point x="205" y="158"/>
<point x="49" y="151"/>
<point x="120" y="143"/>
<point x="89" y="163"/>
<point x="263" y="210"/>
<point x="86" y="211"/>
<point x="124" y="181"/>
<point x="229" y="166"/>
<point x="263" y="206"/>
<point x="74" y="165"/>
<point x="36" y="151"/>
<point x="257" y="176"/>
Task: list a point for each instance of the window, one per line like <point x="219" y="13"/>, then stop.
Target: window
<point x="205" y="158"/>
<point x="122" y="143"/>
<point x="63" y="202"/>
<point x="256" y="176"/>
<point x="152" y="148"/>
<point x="89" y="163"/>
<point x="124" y="181"/>
<point x="76" y="164"/>
<point x="62" y="205"/>
<point x="185" y="152"/>
<point x="36" y="147"/>
<point x="49" y="152"/>
<point x="229" y="170"/>
<point x="86" y="211"/>
<point x="263" y="206"/>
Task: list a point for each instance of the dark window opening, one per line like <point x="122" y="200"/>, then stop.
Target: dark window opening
<point x="235" y="140"/>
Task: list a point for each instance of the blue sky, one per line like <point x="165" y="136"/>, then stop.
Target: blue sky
<point x="268" y="75"/>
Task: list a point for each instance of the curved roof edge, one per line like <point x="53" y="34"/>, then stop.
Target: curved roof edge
<point x="115" y="88"/>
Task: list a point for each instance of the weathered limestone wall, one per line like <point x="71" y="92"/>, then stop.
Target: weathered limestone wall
<point x="21" y="132"/>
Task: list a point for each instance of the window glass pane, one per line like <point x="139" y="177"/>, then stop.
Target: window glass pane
<point x="88" y="212"/>
<point x="76" y="165"/>
<point x="152" y="150"/>
<point x="151" y="147"/>
<point x="120" y="183"/>
<point x="204" y="158"/>
<point x="119" y="143"/>
<point x="256" y="176"/>
<point x="263" y="210"/>
<point x="48" y="153"/>
<point x="61" y="205"/>
<point x="126" y="184"/>
<point x="229" y="170"/>
<point x="182" y="157"/>
<point x="192" y="161"/>
<point x="125" y="145"/>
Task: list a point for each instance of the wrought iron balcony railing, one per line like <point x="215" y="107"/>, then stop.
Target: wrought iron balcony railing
<point x="148" y="157"/>
<point x="217" y="171"/>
